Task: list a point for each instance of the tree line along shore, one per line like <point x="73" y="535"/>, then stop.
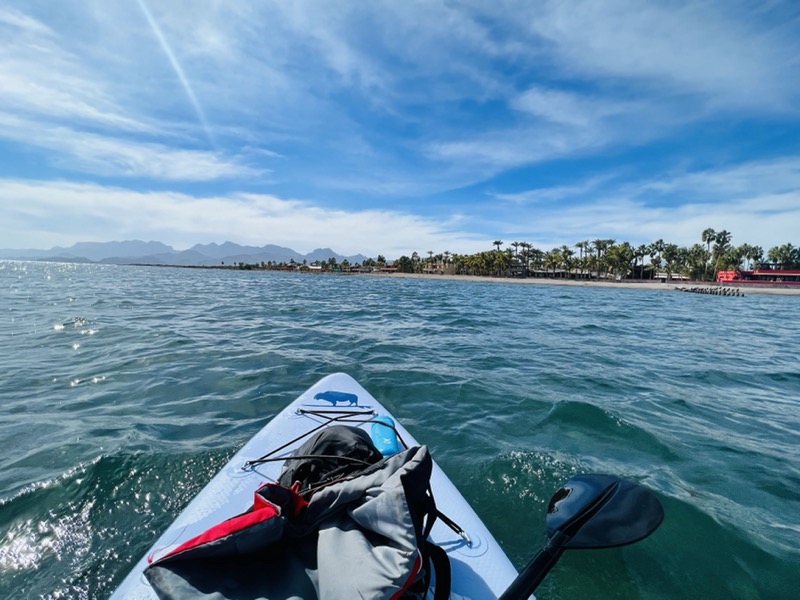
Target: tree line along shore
<point x="600" y="259"/>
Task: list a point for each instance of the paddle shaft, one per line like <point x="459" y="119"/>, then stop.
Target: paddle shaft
<point x="536" y="570"/>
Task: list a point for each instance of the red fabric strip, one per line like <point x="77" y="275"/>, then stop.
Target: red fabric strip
<point x="412" y="576"/>
<point x="232" y="525"/>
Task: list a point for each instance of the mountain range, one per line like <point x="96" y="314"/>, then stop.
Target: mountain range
<point x="157" y="253"/>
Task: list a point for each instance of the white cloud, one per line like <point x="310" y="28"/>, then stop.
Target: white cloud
<point x="759" y="202"/>
<point x="30" y="217"/>
<point x="634" y="222"/>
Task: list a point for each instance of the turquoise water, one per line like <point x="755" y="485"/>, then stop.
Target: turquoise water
<point x="123" y="389"/>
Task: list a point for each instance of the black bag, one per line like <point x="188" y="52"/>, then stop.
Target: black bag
<point x="333" y="453"/>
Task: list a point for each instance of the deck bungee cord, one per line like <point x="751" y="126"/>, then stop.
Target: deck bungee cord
<point x="340" y="416"/>
<point x="346" y="416"/>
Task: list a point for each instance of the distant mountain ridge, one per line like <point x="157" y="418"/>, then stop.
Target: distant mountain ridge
<point x="157" y="253"/>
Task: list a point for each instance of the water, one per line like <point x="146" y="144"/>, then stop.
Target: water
<point x="123" y="389"/>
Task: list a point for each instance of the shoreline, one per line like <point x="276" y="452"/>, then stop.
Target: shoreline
<point x="640" y="285"/>
<point x="743" y="287"/>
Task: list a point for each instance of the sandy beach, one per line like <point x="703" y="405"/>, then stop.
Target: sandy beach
<point x="640" y="285"/>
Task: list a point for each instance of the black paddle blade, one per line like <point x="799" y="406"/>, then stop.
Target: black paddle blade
<point x="589" y="511"/>
<point x="602" y="511"/>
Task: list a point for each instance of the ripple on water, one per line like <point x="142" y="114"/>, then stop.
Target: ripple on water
<point x="93" y="520"/>
<point x="514" y="387"/>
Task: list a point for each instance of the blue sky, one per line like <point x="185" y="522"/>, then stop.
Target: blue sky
<point x="393" y="127"/>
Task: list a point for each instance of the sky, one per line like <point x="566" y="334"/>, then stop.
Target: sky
<point x="388" y="127"/>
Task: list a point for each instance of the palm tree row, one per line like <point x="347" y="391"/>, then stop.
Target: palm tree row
<point x="587" y="259"/>
<point x="605" y="258"/>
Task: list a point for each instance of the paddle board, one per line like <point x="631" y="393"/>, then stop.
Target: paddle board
<point x="480" y="569"/>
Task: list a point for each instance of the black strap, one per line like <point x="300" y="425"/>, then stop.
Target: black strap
<point x="454" y="526"/>
<point x="441" y="566"/>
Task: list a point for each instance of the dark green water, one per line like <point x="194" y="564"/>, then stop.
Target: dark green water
<point x="123" y="389"/>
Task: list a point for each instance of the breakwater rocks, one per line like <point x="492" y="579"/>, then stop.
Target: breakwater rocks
<point x="714" y="291"/>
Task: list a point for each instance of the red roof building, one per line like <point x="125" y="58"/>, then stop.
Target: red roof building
<point x="761" y="276"/>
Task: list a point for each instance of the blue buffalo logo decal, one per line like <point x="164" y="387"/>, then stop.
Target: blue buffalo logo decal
<point x="336" y="397"/>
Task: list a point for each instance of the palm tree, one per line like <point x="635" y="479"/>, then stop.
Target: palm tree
<point x="581" y="246"/>
<point x="526" y="256"/>
<point x="723" y="240"/>
<point x="599" y="248"/>
<point x="791" y="256"/>
<point x="655" y="250"/>
<point x="566" y="259"/>
<point x="655" y="257"/>
<point x="746" y="251"/>
<point x="697" y="261"/>
<point x="552" y="259"/>
<point x="618" y="258"/>
<point x="498" y="260"/>
<point x="537" y="258"/>
<point x="756" y="256"/>
<point x="671" y="256"/>
<point x="773" y="255"/>
<point x="708" y="236"/>
<point x="785" y="256"/>
<point x="739" y="255"/>
<point x="641" y="252"/>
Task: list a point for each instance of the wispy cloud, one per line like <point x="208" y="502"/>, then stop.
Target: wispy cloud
<point x="40" y="81"/>
<point x="50" y="100"/>
<point x="567" y="108"/>
<point x="557" y="194"/>
<point x="111" y="156"/>
<point x="630" y="74"/>
<point x="729" y="54"/>
<point x="742" y="180"/>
